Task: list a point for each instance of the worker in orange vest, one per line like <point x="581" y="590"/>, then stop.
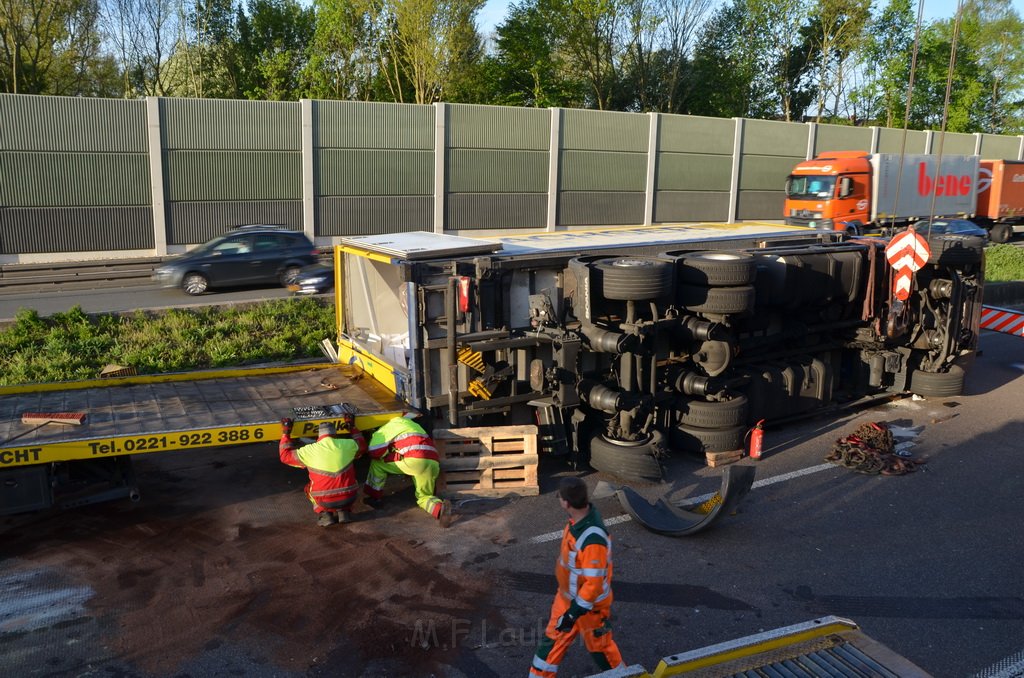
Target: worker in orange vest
<point x="584" y="599"/>
<point x="332" y="486"/>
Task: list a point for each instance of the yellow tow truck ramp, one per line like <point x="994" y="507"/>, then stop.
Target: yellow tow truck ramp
<point x="117" y="418"/>
<point x="826" y="647"/>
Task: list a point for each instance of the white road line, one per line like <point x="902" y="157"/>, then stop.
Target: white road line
<point x="1011" y="667"/>
<point x="692" y="501"/>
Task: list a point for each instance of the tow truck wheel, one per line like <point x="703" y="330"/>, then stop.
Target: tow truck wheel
<point x="628" y="460"/>
<point x="635" y="278"/>
<point x="712" y="414"/>
<point x="717" y="269"/>
<point x="195" y="284"/>
<point x="720" y="300"/>
<point x="938" y="384"/>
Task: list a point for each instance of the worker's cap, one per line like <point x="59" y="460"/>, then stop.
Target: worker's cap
<point x="327" y="429"/>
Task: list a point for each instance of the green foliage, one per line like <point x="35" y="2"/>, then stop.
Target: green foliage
<point x="1004" y="263"/>
<point x="73" y="345"/>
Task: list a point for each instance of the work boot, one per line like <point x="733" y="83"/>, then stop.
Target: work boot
<point x="344" y="516"/>
<point x="326" y="519"/>
<point x="373" y="502"/>
<point x="444" y="515"/>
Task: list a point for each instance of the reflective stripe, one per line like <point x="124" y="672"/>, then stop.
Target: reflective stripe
<point x="402" y="451"/>
<point x="542" y="665"/>
<point x="576" y="572"/>
<point x="339" y="490"/>
<point x="330" y="474"/>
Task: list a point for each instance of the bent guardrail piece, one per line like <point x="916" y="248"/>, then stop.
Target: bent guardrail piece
<point x="664" y="518"/>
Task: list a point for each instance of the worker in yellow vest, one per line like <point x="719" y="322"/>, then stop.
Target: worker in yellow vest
<point x="402" y="447"/>
<point x="584" y="599"/>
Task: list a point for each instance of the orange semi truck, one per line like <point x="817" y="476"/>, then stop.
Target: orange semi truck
<point x="854" y="191"/>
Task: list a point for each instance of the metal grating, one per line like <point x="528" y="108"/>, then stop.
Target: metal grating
<point x="190" y="223"/>
<point x="75" y="229"/>
<point x="375" y="215"/>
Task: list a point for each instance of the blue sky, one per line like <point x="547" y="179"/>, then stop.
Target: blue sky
<point x="493" y="13"/>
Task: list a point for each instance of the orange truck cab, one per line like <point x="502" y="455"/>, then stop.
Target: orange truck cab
<point x="830" y="192"/>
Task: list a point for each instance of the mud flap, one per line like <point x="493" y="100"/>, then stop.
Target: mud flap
<point x="664" y="518"/>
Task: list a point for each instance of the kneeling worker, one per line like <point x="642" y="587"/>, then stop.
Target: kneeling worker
<point x="402" y="447"/>
<point x="332" y="486"/>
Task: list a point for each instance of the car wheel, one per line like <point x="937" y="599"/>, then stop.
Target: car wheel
<point x="635" y="278"/>
<point x="628" y="460"/>
<point x="289" y="275"/>
<point x="717" y="269"/>
<point x="195" y="284"/>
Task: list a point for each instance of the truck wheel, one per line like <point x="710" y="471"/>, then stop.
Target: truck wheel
<point x="711" y="414"/>
<point x="938" y="384"/>
<point x="1001" y="233"/>
<point x="195" y="284"/>
<point x="720" y="300"/>
<point x="698" y="440"/>
<point x="628" y="460"/>
<point x="717" y="269"/>
<point x="635" y="278"/>
<point x="955" y="250"/>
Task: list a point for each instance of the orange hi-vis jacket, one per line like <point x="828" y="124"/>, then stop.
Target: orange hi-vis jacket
<point x="584" y="568"/>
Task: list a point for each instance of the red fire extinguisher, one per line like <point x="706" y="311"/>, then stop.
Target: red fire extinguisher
<point x="756" y="440"/>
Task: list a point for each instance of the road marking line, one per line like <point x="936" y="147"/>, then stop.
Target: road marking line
<point x="693" y="501"/>
<point x="1006" y="668"/>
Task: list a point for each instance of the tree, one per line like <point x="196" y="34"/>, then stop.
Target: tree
<point x="778" y="28"/>
<point x="342" y="60"/>
<point x="887" y="58"/>
<point x="993" y="30"/>
<point x="835" y="34"/>
<point x="590" y="34"/>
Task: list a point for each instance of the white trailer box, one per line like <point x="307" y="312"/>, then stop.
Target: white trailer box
<point x="907" y="192"/>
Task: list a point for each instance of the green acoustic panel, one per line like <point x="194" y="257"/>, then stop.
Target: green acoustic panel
<point x="995" y="147"/>
<point x="190" y="223"/>
<point x="494" y="171"/>
<point x="74" y="179"/>
<point x="359" y="124"/>
<point x="764" y="173"/>
<point x="676" y="206"/>
<point x="241" y="175"/>
<point x="842" y="138"/>
<point x="602" y="171"/>
<point x="51" y="230"/>
<point x="374" y="172"/>
<point x="760" y="205"/>
<point x="767" y="137"/>
<point x="693" y="172"/>
<point x="475" y="211"/>
<point x="954" y="144"/>
<point x="695" y="134"/>
<point x="524" y="129"/>
<point x="605" y="131"/>
<point x="44" y="123"/>
<point x="894" y="141"/>
<point x="600" y="209"/>
<point x="225" y="125"/>
<point x="372" y="216"/>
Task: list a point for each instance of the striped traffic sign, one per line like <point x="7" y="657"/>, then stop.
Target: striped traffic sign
<point x="1002" y="320"/>
<point x="901" y="284"/>
<point x="907" y="250"/>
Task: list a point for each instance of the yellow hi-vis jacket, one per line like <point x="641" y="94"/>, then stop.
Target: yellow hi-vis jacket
<point x="584" y="568"/>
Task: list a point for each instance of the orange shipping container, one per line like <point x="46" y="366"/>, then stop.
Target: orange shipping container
<point x="1004" y="199"/>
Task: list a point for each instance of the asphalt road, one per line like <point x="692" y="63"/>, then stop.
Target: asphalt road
<point x="219" y="570"/>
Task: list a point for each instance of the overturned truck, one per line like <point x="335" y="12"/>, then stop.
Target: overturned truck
<point x="625" y="343"/>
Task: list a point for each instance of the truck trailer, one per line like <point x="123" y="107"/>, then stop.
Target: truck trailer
<point x="1001" y="198"/>
<point x="860" y="192"/>
<point x="624" y="343"/>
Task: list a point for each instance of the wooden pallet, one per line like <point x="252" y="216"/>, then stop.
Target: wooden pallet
<point x="489" y="461"/>
<point x="722" y="458"/>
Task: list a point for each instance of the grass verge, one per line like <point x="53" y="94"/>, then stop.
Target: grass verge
<point x="73" y="345"/>
<point x="1004" y="263"/>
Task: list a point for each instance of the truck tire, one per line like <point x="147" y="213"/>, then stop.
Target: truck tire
<point x="698" y="440"/>
<point x="712" y="414"/>
<point x="628" y="460"/>
<point x="1000" y="233"/>
<point x="938" y="384"/>
<point x="718" y="300"/>
<point x="635" y="278"/>
<point x="955" y="250"/>
<point x="717" y="269"/>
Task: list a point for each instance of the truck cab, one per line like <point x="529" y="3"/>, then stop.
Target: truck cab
<point x="830" y="192"/>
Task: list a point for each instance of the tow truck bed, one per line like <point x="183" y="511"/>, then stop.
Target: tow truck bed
<point x="133" y="415"/>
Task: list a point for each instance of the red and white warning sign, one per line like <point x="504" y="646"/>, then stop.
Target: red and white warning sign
<point x="907" y="252"/>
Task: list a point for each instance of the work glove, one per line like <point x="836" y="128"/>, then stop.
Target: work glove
<point x="286" y="426"/>
<point x="565" y="623"/>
